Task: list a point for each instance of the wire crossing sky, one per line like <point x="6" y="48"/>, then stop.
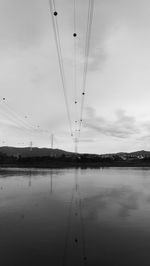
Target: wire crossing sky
<point x="60" y="59"/>
<point x="54" y="15"/>
<point x="108" y="60"/>
<point x="87" y="47"/>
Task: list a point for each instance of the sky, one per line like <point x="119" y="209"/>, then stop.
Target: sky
<point x="116" y="114"/>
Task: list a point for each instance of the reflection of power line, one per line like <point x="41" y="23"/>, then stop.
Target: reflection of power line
<point x="76" y="180"/>
<point x="82" y="232"/>
<point x="30" y="179"/>
<point x="75" y="231"/>
<point x="67" y="231"/>
<point x="51" y="182"/>
<point x="81" y="221"/>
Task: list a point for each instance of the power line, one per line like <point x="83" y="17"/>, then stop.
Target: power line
<point x="13" y="116"/>
<point x="60" y="59"/>
<point x="75" y="52"/>
<point x="75" y="76"/>
<point x="16" y="118"/>
<point x="11" y="119"/>
<point x="87" y="47"/>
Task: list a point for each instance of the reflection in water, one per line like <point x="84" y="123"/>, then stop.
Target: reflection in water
<point x="30" y="177"/>
<point x="123" y="199"/>
<point x="74" y="250"/>
<point x="51" y="182"/>
<point x="75" y="217"/>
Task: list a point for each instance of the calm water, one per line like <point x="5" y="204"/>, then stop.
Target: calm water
<point x="75" y="217"/>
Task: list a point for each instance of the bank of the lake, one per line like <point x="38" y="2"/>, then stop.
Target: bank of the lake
<point x="37" y="163"/>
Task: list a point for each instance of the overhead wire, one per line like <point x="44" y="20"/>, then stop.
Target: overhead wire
<point x="13" y="116"/>
<point x="78" y="122"/>
<point x="76" y="102"/>
<point x="23" y="120"/>
<point x="75" y="52"/>
<point x="86" y="57"/>
<point x="60" y="59"/>
<point x="85" y="70"/>
<point x="16" y="119"/>
<point x="10" y="118"/>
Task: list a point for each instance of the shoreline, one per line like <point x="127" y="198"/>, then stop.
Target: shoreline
<point x="76" y="164"/>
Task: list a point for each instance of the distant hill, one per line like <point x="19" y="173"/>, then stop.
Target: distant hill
<point x="49" y="158"/>
<point x="46" y="152"/>
<point x="128" y="155"/>
<point x="35" y="152"/>
<point x="141" y="153"/>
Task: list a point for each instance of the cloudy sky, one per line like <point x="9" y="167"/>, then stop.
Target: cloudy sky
<point x="117" y="110"/>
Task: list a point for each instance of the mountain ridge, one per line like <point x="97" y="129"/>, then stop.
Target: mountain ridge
<point x="32" y="152"/>
<point x="42" y="152"/>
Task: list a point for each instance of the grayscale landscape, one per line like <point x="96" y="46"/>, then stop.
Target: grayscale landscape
<point x="74" y="133"/>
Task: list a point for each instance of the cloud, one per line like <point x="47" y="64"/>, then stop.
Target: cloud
<point x="97" y="59"/>
<point x="23" y="23"/>
<point x="124" y="126"/>
<point x="144" y="138"/>
<point x="87" y="140"/>
<point x="111" y="18"/>
<point x="146" y="135"/>
<point x="124" y="199"/>
<point x="146" y="125"/>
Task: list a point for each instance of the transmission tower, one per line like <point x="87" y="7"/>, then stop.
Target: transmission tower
<point x="30" y="145"/>
<point x="52" y="141"/>
<point x="76" y="145"/>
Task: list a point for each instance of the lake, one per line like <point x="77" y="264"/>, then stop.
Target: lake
<point x="95" y="217"/>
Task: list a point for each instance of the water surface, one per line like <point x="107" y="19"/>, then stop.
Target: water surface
<point x="75" y="217"/>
